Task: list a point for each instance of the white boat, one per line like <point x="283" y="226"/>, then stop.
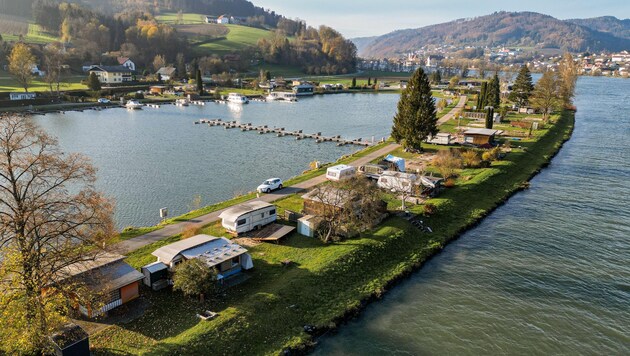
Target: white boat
<point x="303" y="89"/>
<point x="181" y="102"/>
<point x="237" y="98"/>
<point x="281" y="96"/>
<point x="133" y="105"/>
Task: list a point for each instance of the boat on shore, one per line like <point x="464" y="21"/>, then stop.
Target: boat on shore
<point x="281" y="96"/>
<point x="237" y="98"/>
<point x="181" y="102"/>
<point x="133" y="105"/>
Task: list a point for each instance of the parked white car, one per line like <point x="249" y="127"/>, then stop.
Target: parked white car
<point x="269" y="185"/>
<point x="103" y="101"/>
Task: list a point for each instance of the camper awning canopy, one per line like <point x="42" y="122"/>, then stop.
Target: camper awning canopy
<point x="399" y="162"/>
<point x="167" y="253"/>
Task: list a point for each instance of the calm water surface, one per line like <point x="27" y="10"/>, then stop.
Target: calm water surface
<point x="547" y="273"/>
<point x="155" y="158"/>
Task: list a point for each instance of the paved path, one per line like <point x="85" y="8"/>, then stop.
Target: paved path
<point x="174" y="229"/>
<point x="460" y="105"/>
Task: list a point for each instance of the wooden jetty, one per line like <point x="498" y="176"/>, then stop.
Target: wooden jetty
<point x="281" y="132"/>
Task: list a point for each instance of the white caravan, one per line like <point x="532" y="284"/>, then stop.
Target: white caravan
<point x="248" y="216"/>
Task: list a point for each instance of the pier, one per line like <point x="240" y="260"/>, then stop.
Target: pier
<point x="281" y="132"/>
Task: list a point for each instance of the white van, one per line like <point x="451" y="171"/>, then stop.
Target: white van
<point x="340" y="172"/>
<point x="248" y="216"/>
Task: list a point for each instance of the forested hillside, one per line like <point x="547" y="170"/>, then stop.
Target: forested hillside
<point x="524" y="29"/>
<point x="608" y="24"/>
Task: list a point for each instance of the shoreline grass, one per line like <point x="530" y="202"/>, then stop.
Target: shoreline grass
<point x="327" y="284"/>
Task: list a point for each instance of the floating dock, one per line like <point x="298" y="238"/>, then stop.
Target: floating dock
<point x="281" y="132"/>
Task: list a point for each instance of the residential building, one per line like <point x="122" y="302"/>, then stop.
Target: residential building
<point x="127" y="63"/>
<point x="480" y="136"/>
<point x="112" y="74"/>
<point x="167" y="73"/>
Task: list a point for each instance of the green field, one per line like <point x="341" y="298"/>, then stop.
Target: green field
<point x="187" y="18"/>
<point x="34" y="35"/>
<point x="238" y="38"/>
<point x="8" y="84"/>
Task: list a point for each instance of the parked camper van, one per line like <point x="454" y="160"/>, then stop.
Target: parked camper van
<point x="372" y="171"/>
<point x="340" y="172"/>
<point x="398" y="181"/>
<point x="248" y="216"/>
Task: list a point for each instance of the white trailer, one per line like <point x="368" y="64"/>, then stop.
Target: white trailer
<point x="248" y="216"/>
<point x="441" y="138"/>
<point x="398" y="181"/>
<point x="340" y="172"/>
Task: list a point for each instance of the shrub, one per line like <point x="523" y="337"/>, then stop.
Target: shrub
<point x="447" y="163"/>
<point x="429" y="209"/>
<point x="471" y="158"/>
<point x="449" y="183"/>
<point x="491" y="154"/>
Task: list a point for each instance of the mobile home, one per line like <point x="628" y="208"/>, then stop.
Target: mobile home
<point x="340" y="172"/>
<point x="442" y="138"/>
<point x="248" y="216"/>
<point x="372" y="171"/>
<point x="217" y="252"/>
<point x="398" y="181"/>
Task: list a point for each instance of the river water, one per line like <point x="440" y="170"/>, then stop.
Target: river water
<point x="546" y="273"/>
<point x="153" y="158"/>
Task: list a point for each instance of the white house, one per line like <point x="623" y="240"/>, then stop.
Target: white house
<point x="112" y="74"/>
<point x="22" y="96"/>
<point x="127" y="63"/>
<point x="167" y="73"/>
<point x="223" y="19"/>
<point x="217" y="252"/>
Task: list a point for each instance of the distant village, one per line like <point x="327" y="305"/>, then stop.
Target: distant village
<point x="500" y="58"/>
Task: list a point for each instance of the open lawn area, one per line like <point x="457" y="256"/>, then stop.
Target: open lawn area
<point x="34" y="34"/>
<point x="238" y="38"/>
<point x="323" y="284"/>
<point x="187" y="18"/>
<point x="8" y="84"/>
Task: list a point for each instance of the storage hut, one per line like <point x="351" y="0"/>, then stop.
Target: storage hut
<point x="108" y="275"/>
<point x="155" y="275"/>
<point x="480" y="136"/>
<point x="248" y="216"/>
<point x="71" y="340"/>
<point x="308" y="225"/>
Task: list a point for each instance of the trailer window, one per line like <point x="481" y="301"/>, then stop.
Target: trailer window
<point x="272" y="212"/>
<point x="241" y="222"/>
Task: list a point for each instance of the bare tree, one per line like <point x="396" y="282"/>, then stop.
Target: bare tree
<point x="50" y="217"/>
<point x="158" y="62"/>
<point x="345" y="207"/>
<point x="567" y="78"/>
<point x="53" y="63"/>
<point x="545" y="95"/>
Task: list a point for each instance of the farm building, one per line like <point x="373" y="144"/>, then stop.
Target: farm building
<point x="480" y="136"/>
<point x="248" y="216"/>
<point x="217" y="252"/>
<point x="110" y="277"/>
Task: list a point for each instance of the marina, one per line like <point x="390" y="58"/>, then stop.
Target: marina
<point x="281" y="132"/>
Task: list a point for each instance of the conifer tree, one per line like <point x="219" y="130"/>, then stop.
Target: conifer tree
<point x="354" y="82"/>
<point x="495" y="98"/>
<point x="522" y="88"/>
<point x="489" y="117"/>
<point x="93" y="83"/>
<point x="369" y="81"/>
<point x="482" y="96"/>
<point x="199" y="81"/>
<point x="416" y="116"/>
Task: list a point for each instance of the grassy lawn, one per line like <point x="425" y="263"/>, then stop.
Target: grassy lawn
<point x="8" y="84"/>
<point x="239" y="38"/>
<point x="325" y="283"/>
<point x="187" y="18"/>
<point x="277" y="70"/>
<point x="34" y="35"/>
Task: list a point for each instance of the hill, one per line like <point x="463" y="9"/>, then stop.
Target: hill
<point x="523" y="29"/>
<point x="609" y="24"/>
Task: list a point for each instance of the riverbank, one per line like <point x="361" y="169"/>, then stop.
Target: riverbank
<point x="326" y="284"/>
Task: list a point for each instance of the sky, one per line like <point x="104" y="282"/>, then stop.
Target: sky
<point x="359" y="18"/>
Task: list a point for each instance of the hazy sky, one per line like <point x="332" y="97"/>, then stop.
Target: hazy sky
<point x="357" y="18"/>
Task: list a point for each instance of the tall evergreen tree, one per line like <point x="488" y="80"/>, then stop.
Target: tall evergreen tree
<point x="489" y="117"/>
<point x="369" y="81"/>
<point x="93" y="83"/>
<point x="481" y="103"/>
<point x="416" y="118"/>
<point x="199" y="81"/>
<point x="522" y="88"/>
<point x="495" y="97"/>
<point x="354" y="82"/>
